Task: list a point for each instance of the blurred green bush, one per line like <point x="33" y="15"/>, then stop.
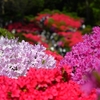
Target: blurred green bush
<point x="6" y="33"/>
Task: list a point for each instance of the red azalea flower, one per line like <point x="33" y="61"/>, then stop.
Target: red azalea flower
<point x="57" y="56"/>
<point x="44" y="44"/>
<point x="33" y="37"/>
<point x="42" y="84"/>
<point x="76" y="37"/>
<point x="64" y="34"/>
<point x="40" y="16"/>
<point x="63" y="28"/>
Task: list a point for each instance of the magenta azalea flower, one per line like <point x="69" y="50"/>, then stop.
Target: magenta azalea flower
<point x="84" y="56"/>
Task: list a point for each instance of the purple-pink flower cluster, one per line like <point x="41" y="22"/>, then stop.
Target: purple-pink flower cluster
<point x="84" y="57"/>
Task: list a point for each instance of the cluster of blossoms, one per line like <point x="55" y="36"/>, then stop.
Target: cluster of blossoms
<point x="84" y="58"/>
<point x="56" y="31"/>
<point x="60" y="28"/>
<point x="59" y="21"/>
<point x="26" y="30"/>
<point x="17" y="57"/>
<point x="36" y="39"/>
<point x="29" y="72"/>
<point x="18" y="27"/>
<point x="43" y="84"/>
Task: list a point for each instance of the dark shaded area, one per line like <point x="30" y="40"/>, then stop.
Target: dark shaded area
<point x="17" y="9"/>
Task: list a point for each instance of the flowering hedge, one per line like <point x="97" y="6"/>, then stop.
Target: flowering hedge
<point x="55" y="31"/>
<point x="42" y="84"/>
<point x="62" y="24"/>
<point x="84" y="59"/>
<point x="32" y="72"/>
<point x="17" y="57"/>
<point x="29" y="72"/>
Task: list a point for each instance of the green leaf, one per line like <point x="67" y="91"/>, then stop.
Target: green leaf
<point x="6" y="33"/>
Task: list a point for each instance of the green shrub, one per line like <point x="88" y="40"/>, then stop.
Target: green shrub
<point x="6" y="33"/>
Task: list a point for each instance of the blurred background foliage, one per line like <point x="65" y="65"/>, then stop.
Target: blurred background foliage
<point x="17" y="9"/>
<point x="6" y="33"/>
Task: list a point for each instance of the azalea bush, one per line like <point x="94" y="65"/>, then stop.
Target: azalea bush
<point x="34" y="73"/>
<point x="27" y="31"/>
<point x="64" y="25"/>
<point x="42" y="84"/>
<point x="55" y="30"/>
<point x="84" y="59"/>
<point x="16" y="57"/>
